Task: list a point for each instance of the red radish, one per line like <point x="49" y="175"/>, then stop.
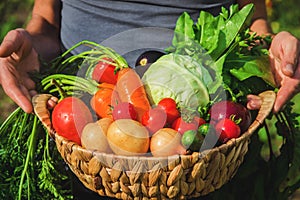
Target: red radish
<point x="227" y="109"/>
<point x="124" y="110"/>
<point x="154" y="119"/>
<point x="227" y="129"/>
<point x="182" y="126"/>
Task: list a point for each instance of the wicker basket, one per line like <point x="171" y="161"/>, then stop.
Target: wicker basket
<point x="173" y="177"/>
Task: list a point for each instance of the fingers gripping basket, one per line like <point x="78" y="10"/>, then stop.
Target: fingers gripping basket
<point x="173" y="177"/>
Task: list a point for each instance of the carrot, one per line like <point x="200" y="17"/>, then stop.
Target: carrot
<point x="104" y="99"/>
<point x="131" y="89"/>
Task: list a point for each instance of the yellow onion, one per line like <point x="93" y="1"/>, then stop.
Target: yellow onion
<point x="166" y="142"/>
<point x="128" y="137"/>
<point x="93" y="136"/>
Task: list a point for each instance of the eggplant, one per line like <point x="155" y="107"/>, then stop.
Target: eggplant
<point x="146" y="59"/>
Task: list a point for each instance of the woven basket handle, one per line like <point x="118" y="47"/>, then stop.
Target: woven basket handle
<point x="40" y="107"/>
<point x="268" y="98"/>
<point x="39" y="102"/>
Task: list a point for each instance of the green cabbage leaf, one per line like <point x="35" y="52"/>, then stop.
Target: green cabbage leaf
<point x="179" y="77"/>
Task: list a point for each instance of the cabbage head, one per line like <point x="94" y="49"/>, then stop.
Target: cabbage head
<point x="179" y="77"/>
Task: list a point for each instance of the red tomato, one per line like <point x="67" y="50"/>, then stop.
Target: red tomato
<point x="124" y="110"/>
<point x="227" y="129"/>
<point x="199" y="121"/>
<point x="154" y="119"/>
<point x="182" y="126"/>
<point x="104" y="71"/>
<point x="69" y="117"/>
<point x="170" y="107"/>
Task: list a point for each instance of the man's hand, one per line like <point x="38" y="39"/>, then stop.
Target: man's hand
<point x="285" y="65"/>
<point x="17" y="59"/>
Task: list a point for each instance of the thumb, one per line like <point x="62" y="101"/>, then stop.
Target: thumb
<point x="288" y="52"/>
<point x="290" y="58"/>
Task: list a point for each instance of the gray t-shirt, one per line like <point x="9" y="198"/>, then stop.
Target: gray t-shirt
<point x="128" y="25"/>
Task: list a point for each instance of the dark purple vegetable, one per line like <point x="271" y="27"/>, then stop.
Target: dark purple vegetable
<point x="229" y="109"/>
<point x="146" y="59"/>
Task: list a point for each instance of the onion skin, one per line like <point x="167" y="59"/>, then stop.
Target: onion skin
<point x="93" y="136"/>
<point x="128" y="137"/>
<point x="166" y="142"/>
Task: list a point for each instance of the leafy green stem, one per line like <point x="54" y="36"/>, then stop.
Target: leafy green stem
<point x="122" y="63"/>
<point x="79" y="83"/>
<point x="11" y="117"/>
<point x="28" y="157"/>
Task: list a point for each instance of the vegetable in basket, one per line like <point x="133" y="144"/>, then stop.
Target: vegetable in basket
<point x="124" y="110"/>
<point x="104" y="100"/>
<point x="69" y="117"/>
<point x="227" y="128"/>
<point x="105" y="71"/>
<point x="181" y="125"/>
<point x="170" y="107"/>
<point x="128" y="137"/>
<point x="230" y="109"/>
<point x="131" y="89"/>
<point x="166" y="142"/>
<point x="94" y="134"/>
<point x="183" y="80"/>
<point x="154" y="119"/>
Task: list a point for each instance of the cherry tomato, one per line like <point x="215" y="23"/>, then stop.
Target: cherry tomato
<point x="69" y="117"/>
<point x="170" y="107"/>
<point x="227" y="109"/>
<point x="227" y="129"/>
<point x="124" y="110"/>
<point x="104" y="71"/>
<point x="154" y="119"/>
<point x="199" y="120"/>
<point x="182" y="126"/>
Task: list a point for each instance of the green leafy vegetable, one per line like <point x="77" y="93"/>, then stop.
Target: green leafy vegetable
<point x="23" y="164"/>
<point x="241" y="66"/>
<point x="183" y="80"/>
<point x="215" y="34"/>
<point x="247" y="66"/>
<point x="185" y="27"/>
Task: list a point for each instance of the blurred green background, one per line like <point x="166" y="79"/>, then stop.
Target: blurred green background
<point x="13" y="14"/>
<point x="283" y="15"/>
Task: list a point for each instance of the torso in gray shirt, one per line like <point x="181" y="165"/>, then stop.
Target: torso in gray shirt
<point x="128" y="25"/>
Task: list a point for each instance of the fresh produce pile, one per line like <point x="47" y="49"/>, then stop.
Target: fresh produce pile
<point x="103" y="104"/>
<point x="126" y="122"/>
